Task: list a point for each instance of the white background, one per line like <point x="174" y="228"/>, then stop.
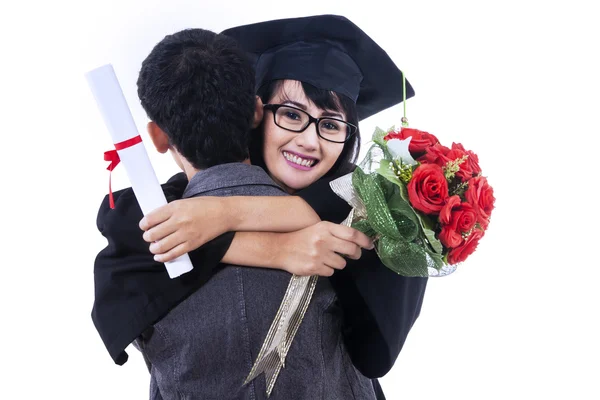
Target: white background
<point x="515" y="81"/>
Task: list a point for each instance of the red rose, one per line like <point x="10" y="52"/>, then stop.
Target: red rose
<point x="419" y="143"/>
<point x="462" y="220"/>
<point x="470" y="167"/>
<point x="460" y="253"/>
<point x="450" y="238"/>
<point x="436" y="154"/>
<point x="481" y="195"/>
<point x="446" y="211"/>
<point x="428" y="189"/>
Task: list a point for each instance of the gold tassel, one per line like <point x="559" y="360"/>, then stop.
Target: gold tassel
<point x="273" y="352"/>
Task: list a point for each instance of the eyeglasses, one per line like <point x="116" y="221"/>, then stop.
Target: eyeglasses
<point x="296" y="120"/>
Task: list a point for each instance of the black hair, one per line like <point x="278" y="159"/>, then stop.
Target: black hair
<point x="326" y="100"/>
<point x="198" y="87"/>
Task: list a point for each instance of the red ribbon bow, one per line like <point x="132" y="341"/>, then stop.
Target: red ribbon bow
<point x="114" y="159"/>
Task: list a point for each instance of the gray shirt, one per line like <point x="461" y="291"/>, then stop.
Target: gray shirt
<point x="234" y="179"/>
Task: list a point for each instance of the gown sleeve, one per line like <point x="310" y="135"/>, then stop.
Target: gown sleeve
<point x="132" y="291"/>
<point x="380" y="307"/>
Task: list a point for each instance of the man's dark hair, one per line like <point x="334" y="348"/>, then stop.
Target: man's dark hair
<point x="198" y="87"/>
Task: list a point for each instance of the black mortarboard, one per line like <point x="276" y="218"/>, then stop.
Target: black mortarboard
<point x="327" y="51"/>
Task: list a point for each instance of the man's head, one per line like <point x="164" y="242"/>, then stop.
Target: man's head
<point x="197" y="88"/>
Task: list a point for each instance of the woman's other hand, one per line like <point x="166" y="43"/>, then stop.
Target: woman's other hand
<point x="184" y="225"/>
<point x="320" y="248"/>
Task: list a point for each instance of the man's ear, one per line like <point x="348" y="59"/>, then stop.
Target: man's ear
<point x="158" y="136"/>
<point x="258" y="113"/>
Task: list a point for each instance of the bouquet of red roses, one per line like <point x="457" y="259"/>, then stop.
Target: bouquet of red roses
<point x="427" y="205"/>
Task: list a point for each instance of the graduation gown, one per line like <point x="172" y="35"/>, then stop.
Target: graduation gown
<point x="380" y="307"/>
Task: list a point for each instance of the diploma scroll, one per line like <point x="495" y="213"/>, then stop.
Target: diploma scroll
<point x="118" y="119"/>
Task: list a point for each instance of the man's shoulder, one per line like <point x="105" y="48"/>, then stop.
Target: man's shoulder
<point x="233" y="179"/>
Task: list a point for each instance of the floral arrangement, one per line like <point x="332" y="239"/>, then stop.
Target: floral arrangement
<point x="427" y="205"/>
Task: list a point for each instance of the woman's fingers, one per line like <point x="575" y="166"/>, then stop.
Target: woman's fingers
<point x="326" y="245"/>
<point x="346" y="248"/>
<point x="351" y="235"/>
<point x="172" y="254"/>
<point x="157" y="216"/>
<point x="166" y="243"/>
<point x="335" y="261"/>
<point x="326" y="272"/>
<point x="161" y="231"/>
<point x="169" y="248"/>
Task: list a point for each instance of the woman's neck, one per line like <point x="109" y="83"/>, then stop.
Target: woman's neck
<point x="287" y="189"/>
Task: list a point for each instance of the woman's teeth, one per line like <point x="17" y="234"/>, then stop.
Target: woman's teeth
<point x="298" y="160"/>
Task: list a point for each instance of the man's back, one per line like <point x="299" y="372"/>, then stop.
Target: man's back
<point x="204" y="348"/>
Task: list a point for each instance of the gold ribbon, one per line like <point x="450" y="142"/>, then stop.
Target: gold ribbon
<point x="273" y="352"/>
<point x="271" y="357"/>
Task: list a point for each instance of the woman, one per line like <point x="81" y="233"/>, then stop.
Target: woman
<point x="355" y="80"/>
<point x="295" y="160"/>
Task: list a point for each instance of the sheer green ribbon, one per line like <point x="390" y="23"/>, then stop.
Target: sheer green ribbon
<point x="381" y="212"/>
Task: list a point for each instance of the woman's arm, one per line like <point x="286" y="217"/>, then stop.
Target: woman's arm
<point x="315" y="250"/>
<point x="184" y="225"/>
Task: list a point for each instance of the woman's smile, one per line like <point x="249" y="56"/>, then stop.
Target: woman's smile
<point x="299" y="161"/>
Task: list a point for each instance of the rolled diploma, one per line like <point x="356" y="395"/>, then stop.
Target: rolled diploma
<point x="118" y="119"/>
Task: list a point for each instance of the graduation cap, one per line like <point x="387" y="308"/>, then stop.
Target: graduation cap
<point x="327" y="51"/>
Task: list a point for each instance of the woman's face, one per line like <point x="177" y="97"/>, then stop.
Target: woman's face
<point x="296" y="160"/>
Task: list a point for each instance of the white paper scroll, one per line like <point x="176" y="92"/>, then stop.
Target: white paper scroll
<point x="118" y="119"/>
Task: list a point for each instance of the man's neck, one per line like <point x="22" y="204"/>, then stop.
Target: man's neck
<point x="190" y="170"/>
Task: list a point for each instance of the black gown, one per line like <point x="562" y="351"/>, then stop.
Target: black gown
<point x="133" y="291"/>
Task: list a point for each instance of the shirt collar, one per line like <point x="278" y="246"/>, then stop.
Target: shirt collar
<point x="226" y="176"/>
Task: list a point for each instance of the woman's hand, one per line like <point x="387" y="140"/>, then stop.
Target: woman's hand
<point x="184" y="225"/>
<point x="320" y="248"/>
